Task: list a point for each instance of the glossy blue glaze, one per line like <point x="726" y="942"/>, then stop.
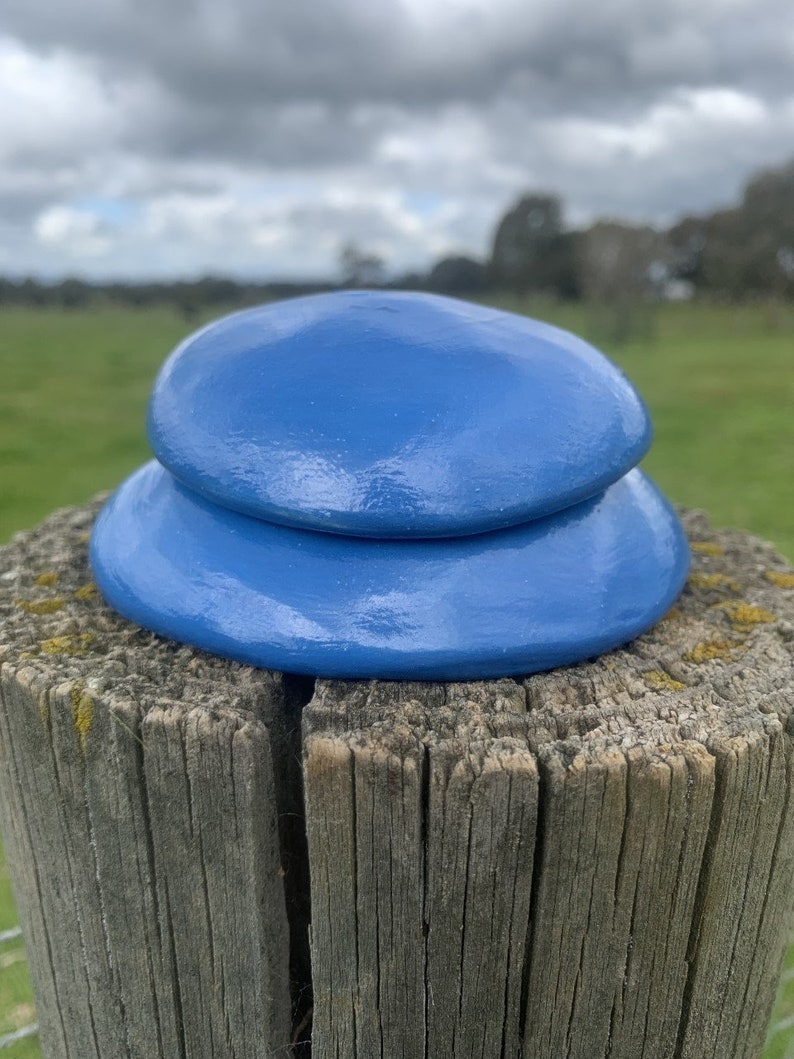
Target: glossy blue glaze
<point x="388" y="414"/>
<point x="513" y="601"/>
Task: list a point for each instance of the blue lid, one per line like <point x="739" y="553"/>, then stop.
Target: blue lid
<point x="513" y="601"/>
<point x="389" y="414"/>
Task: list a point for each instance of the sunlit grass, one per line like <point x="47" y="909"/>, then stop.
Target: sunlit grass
<point x="74" y="389"/>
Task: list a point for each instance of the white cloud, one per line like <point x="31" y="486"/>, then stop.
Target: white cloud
<point x="688" y="116"/>
<point x="77" y="232"/>
<point x="59" y="106"/>
<point x="51" y="104"/>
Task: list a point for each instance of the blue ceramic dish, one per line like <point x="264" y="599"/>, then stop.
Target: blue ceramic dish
<point x="513" y="601"/>
<point x="375" y="484"/>
<point x="384" y="414"/>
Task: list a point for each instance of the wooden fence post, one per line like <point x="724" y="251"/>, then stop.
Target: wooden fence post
<point x="593" y="862"/>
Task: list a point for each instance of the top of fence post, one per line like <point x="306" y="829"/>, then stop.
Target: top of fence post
<point x="608" y="848"/>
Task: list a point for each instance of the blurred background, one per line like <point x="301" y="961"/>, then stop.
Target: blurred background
<point x="622" y="169"/>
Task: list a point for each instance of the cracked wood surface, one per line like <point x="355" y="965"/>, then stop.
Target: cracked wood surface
<point x="594" y="862"/>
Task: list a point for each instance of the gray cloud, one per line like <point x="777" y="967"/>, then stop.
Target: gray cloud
<point x="179" y="132"/>
<point x="414" y="53"/>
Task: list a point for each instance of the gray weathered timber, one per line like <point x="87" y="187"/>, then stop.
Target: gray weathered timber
<point x="595" y="862"/>
<point x="421" y="829"/>
<point x="140" y="816"/>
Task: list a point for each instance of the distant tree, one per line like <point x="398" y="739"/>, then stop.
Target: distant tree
<point x="531" y="250"/>
<point x="409" y="281"/>
<point x="185" y="297"/>
<point x="8" y="292"/>
<point x="687" y="239"/>
<point x="360" y="268"/>
<point x="217" y="291"/>
<point x="458" y="275"/>
<point x="724" y="258"/>
<point x="785" y="258"/>
<point x="768" y="209"/>
<point x="769" y="199"/>
<point x="74" y="293"/>
<point x="621" y="268"/>
<point x="33" y="294"/>
<point x="747" y="249"/>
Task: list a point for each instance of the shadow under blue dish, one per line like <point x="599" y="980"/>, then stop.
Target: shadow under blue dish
<point x="508" y="602"/>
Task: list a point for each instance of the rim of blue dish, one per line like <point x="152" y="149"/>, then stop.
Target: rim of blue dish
<point x="511" y="602"/>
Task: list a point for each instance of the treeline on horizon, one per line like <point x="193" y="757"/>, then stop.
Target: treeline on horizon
<point x="745" y="252"/>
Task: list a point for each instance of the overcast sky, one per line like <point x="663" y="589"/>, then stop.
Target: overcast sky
<point x="253" y="137"/>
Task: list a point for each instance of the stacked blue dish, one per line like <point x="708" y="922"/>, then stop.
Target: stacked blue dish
<point x="393" y="485"/>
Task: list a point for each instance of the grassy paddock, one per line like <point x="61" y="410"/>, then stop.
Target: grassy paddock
<point x="719" y="382"/>
<point x="72" y="399"/>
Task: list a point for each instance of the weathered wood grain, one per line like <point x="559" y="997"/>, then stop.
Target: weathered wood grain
<point x="598" y="861"/>
<point x="140" y="812"/>
<point x="423" y="850"/>
<point x="595" y="862"/>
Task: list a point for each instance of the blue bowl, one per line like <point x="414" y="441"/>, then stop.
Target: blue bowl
<point x="383" y="414"/>
<point x="379" y="484"/>
<point x="512" y="601"/>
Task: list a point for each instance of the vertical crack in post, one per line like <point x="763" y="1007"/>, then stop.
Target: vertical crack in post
<point x="288" y="771"/>
<point x="161" y="918"/>
<point x="423" y="837"/>
<point x="537" y="869"/>
<point x="619" y="878"/>
<point x="176" y="978"/>
<point x="699" y="905"/>
<point x="355" y="889"/>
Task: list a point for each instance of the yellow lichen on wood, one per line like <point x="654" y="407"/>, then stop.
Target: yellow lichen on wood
<point x="82" y="712"/>
<point x="743" y="616"/>
<point x="707" y="547"/>
<point x="40" y="606"/>
<point x="661" y="681"/>
<point x="709" y="650"/>
<point x="783" y="579"/>
<point x="698" y="580"/>
<point x="86" y="592"/>
<point x="673" y="614"/>
<point x="67" y="645"/>
<point x="47" y="579"/>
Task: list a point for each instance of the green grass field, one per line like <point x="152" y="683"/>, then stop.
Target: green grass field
<point x="719" y="382"/>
